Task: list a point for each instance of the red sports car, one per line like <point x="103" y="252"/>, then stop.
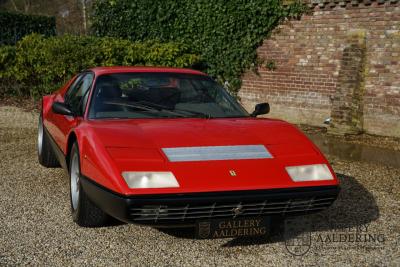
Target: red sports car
<point x="169" y="146"/>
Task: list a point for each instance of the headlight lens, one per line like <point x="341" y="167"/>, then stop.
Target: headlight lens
<point x="150" y="179"/>
<point x="316" y="172"/>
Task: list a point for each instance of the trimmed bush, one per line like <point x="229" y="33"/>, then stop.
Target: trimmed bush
<point x="40" y="65"/>
<point x="7" y="59"/>
<point x="14" y="26"/>
<point x="226" y="33"/>
<point x="7" y="62"/>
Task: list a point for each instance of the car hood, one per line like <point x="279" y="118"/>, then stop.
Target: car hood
<point x="159" y="133"/>
<point x="139" y="145"/>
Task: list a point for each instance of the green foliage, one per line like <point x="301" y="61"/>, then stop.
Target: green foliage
<point x="226" y="33"/>
<point x="39" y="65"/>
<point x="270" y="65"/>
<point x="7" y="61"/>
<point x="14" y="26"/>
<point x="131" y="84"/>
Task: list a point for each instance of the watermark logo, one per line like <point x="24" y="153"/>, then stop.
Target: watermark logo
<point x="342" y="236"/>
<point x="297" y="236"/>
<point x="204" y="229"/>
<point x="301" y="235"/>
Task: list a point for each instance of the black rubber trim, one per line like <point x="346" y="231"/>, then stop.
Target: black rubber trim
<point x="110" y="202"/>
<point x="117" y="205"/>
<point x="57" y="150"/>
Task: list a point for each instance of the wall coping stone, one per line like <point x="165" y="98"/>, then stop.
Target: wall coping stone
<point x="344" y="3"/>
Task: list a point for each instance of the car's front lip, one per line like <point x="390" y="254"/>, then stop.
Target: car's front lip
<point x="187" y="208"/>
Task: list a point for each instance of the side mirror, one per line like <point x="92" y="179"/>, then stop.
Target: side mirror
<point x="262" y="108"/>
<point x="62" y="109"/>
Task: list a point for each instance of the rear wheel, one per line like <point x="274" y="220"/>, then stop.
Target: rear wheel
<point x="46" y="155"/>
<point x="84" y="211"/>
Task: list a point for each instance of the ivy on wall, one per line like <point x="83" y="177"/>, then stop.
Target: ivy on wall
<point x="226" y="33"/>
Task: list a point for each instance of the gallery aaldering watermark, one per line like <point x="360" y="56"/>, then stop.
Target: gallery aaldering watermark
<point x="301" y="236"/>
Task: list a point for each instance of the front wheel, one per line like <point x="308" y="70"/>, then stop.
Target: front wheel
<point x="46" y="155"/>
<point x="84" y="211"/>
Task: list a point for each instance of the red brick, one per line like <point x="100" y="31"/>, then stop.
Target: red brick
<point x="308" y="82"/>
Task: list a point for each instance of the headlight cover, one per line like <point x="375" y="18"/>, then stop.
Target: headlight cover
<point x="150" y="179"/>
<point x="315" y="172"/>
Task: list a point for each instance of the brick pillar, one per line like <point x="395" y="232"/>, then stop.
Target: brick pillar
<point x="347" y="104"/>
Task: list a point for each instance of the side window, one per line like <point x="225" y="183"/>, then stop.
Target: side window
<point x="72" y="87"/>
<point x="77" y="98"/>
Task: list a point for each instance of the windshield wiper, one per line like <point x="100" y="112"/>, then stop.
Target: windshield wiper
<point x="156" y="108"/>
<point x="146" y="108"/>
<point x="175" y="110"/>
<point x="196" y="113"/>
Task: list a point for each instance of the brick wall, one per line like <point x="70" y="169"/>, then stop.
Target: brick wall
<point x="339" y="61"/>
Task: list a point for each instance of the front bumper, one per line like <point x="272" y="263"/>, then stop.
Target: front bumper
<point x="187" y="208"/>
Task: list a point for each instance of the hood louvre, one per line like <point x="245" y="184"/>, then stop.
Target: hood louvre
<point x="208" y="153"/>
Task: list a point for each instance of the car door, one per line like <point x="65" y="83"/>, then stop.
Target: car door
<point x="76" y="99"/>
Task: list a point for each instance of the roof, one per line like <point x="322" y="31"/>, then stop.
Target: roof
<point x="119" y="69"/>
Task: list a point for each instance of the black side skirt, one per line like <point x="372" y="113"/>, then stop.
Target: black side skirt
<point x="57" y="151"/>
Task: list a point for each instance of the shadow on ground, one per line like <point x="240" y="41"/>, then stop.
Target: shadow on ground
<point x="355" y="207"/>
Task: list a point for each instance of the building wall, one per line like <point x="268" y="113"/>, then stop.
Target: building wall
<point x="341" y="60"/>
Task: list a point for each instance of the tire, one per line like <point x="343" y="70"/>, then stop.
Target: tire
<point x="46" y="155"/>
<point x="84" y="212"/>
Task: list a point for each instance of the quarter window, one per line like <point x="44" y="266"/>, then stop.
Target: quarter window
<point x="77" y="98"/>
<point x="72" y="87"/>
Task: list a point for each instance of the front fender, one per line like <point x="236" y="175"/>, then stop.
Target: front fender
<point x="96" y="162"/>
<point x="47" y="102"/>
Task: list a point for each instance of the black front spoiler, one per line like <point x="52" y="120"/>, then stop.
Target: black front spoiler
<point x="132" y="208"/>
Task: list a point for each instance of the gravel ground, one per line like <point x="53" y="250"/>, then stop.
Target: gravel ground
<point x="36" y="227"/>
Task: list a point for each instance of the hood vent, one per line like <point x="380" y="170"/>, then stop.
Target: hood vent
<point x="206" y="153"/>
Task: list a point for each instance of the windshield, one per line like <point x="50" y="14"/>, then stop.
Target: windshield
<point x="161" y="95"/>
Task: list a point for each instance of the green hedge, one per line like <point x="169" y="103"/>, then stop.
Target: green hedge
<point x="226" y="33"/>
<point x="39" y="65"/>
<point x="14" y="26"/>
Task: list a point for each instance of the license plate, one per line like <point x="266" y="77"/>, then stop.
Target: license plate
<point x="223" y="228"/>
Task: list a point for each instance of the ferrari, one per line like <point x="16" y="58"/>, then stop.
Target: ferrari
<point x="171" y="147"/>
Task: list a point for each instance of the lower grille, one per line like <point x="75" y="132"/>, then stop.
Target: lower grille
<point x="192" y="212"/>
